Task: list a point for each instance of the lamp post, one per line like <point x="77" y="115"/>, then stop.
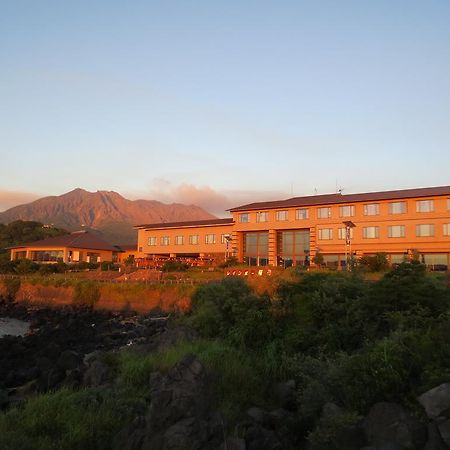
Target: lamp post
<point x="348" y="241"/>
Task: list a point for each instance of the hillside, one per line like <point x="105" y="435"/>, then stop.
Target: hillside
<point x="105" y="211"/>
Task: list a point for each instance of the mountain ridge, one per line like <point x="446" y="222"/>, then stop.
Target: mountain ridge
<point x="107" y="212"/>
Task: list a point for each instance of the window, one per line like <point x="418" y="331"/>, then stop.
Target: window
<point x="446" y="229"/>
<point x="397" y="207"/>
<point x="179" y="240"/>
<point x="372" y="209"/>
<point x="342" y="234"/>
<point x="346" y="211"/>
<point x="152" y="241"/>
<point x="396" y="231"/>
<point x="262" y="216"/>
<point x="302" y="214"/>
<point x="325" y="233"/>
<point x="425" y="230"/>
<point x="371" y="232"/>
<point x="193" y="239"/>
<point x="165" y="240"/>
<point x="323" y="213"/>
<point x="244" y="218"/>
<point x="424" y="205"/>
<point x="281" y="215"/>
<point x="210" y="239"/>
<point x="224" y="238"/>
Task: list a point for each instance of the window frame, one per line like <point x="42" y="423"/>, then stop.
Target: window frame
<point x="431" y="226"/>
<point x="429" y="202"/>
<point x="367" y="206"/>
<point x="260" y="215"/>
<point x="404" y="207"/>
<point x="342" y="208"/>
<point x="207" y="238"/>
<point x="152" y="241"/>
<point x="401" y="227"/>
<point x="193" y="241"/>
<point x="244" y="218"/>
<point x="282" y="215"/>
<point x="322" y="209"/>
<point x="177" y="238"/>
<point x="298" y="214"/>
<point x="376" y="228"/>
<point x="320" y="232"/>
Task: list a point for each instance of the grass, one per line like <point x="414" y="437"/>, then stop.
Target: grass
<point x="62" y="420"/>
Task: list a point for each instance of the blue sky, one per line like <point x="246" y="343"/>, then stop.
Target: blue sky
<point x="222" y="103"/>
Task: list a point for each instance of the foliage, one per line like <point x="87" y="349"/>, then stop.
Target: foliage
<point x="376" y="263"/>
<point x="12" y="286"/>
<point x="86" y="293"/>
<point x="230" y="310"/>
<point x="318" y="259"/>
<point x="174" y="266"/>
<point x="65" y="419"/>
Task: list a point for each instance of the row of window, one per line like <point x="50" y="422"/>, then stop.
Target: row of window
<point x="193" y="239"/>
<point x="369" y="209"/>
<point x="394" y="231"/>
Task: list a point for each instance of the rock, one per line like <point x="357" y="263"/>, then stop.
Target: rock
<point x="436" y="401"/>
<point x="233" y="443"/>
<point x="390" y="423"/>
<point x="179" y="416"/>
<point x="97" y="374"/>
<point x="259" y="438"/>
<point x="285" y="396"/>
<point x="258" y="415"/>
<point x="331" y="409"/>
<point x="68" y="360"/>
<point x="435" y="441"/>
<point x="444" y="430"/>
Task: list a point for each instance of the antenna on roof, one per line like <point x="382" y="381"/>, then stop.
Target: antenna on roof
<point x="315" y="191"/>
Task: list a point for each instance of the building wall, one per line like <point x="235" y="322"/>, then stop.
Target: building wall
<point x="165" y="240"/>
<point x="246" y="221"/>
<point x="104" y="255"/>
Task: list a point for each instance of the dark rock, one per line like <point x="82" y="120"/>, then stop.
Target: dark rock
<point x="285" y="396"/>
<point x="436" y="401"/>
<point x="96" y="374"/>
<point x="259" y="415"/>
<point x="259" y="438"/>
<point x="331" y="409"/>
<point x="435" y="441"/>
<point x="444" y="430"/>
<point x="233" y="443"/>
<point x="390" y="423"/>
<point x="68" y="360"/>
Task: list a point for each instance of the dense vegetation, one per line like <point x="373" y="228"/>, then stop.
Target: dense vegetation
<point x="20" y="232"/>
<point x="341" y="338"/>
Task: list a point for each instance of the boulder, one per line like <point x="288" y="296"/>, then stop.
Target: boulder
<point x="390" y="423"/>
<point x="258" y="415"/>
<point x="179" y="416"/>
<point x="444" y="430"/>
<point x="259" y="438"/>
<point x="435" y="441"/>
<point x="68" y="360"/>
<point x="97" y="374"/>
<point x="285" y="396"/>
<point x="436" y="401"/>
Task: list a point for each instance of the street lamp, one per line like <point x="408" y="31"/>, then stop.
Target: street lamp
<point x="348" y="241"/>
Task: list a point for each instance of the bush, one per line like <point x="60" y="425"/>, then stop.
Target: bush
<point x="26" y="266"/>
<point x="229" y="309"/>
<point x="12" y="286"/>
<point x="86" y="293"/>
<point x="174" y="266"/>
<point x="377" y="263"/>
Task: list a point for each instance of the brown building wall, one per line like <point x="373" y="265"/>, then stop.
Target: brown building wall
<point x="439" y="243"/>
<point x="157" y="236"/>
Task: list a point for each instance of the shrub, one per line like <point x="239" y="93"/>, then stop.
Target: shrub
<point x="229" y="309"/>
<point x="86" y="293"/>
<point x="25" y="266"/>
<point x="174" y="266"/>
<point x="376" y="263"/>
<point x="12" y="286"/>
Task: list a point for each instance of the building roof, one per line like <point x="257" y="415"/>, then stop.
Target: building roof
<point x="328" y="199"/>
<point x="193" y="223"/>
<point x="78" y="239"/>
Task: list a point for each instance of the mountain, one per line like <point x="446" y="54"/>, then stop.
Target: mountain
<point x="104" y="211"/>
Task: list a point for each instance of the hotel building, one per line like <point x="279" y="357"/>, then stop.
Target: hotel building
<point x="291" y="232"/>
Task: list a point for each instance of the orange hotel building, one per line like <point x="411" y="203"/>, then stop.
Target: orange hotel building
<point x="291" y="232"/>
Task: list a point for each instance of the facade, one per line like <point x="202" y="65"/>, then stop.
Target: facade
<point x="292" y="232"/>
<point x="209" y="240"/>
<point x="80" y="246"/>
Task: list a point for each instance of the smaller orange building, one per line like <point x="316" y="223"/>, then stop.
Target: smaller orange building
<point x="201" y="239"/>
<point x="80" y="246"/>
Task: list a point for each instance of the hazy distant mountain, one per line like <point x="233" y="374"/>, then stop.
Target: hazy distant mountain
<point x="105" y="211"/>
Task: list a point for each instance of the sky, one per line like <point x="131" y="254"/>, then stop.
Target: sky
<point x="221" y="103"/>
